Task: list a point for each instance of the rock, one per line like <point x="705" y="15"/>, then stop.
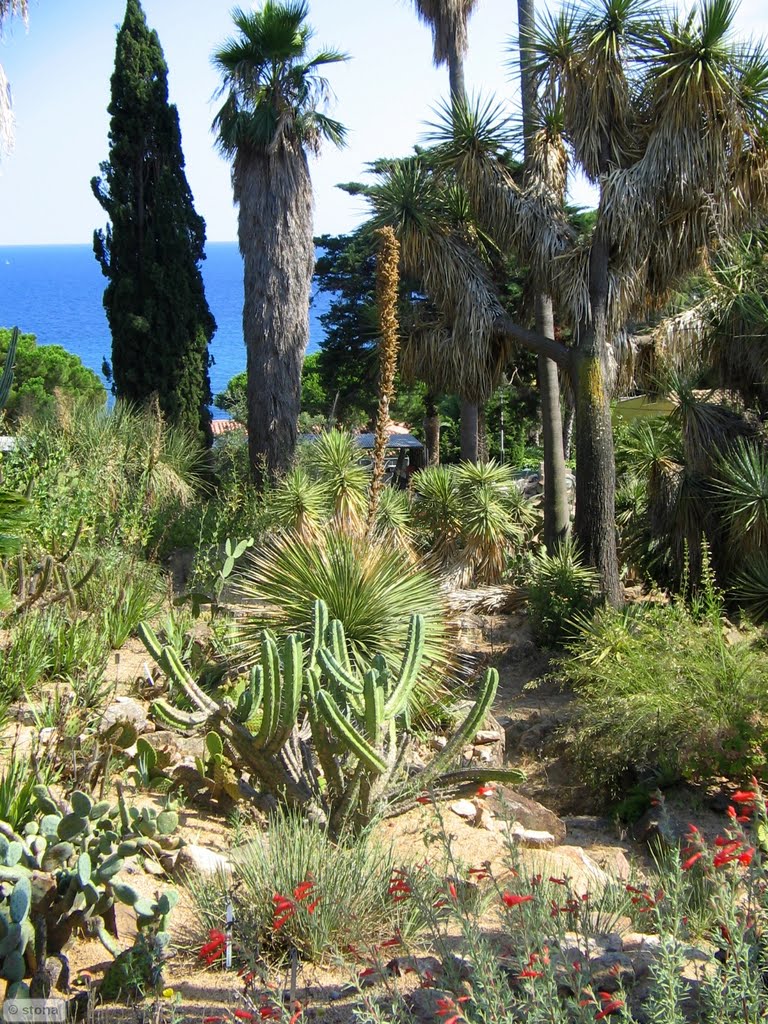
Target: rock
<point x="438" y="742"/>
<point x="488" y="736"/>
<point x="200" y="860"/>
<point x="428" y="1004"/>
<point x="507" y="804"/>
<point x="573" y="863"/>
<point x="428" y="968"/>
<point x="465" y="809"/>
<point x="126" y="709"/>
<point x="535" y="840"/>
<point x="611" y="972"/>
<point x="633" y="942"/>
<point x="178" y="747"/>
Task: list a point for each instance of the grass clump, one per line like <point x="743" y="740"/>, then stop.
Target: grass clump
<point x="297" y="889"/>
<point x="559" y="588"/>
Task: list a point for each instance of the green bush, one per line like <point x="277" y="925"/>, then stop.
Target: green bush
<point x="559" y="588"/>
<point x="297" y="889"/>
<point x="660" y="691"/>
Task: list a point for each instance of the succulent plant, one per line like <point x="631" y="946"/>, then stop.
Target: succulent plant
<point x="324" y="737"/>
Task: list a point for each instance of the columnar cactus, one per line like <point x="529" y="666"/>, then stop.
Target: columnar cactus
<point x="349" y="763"/>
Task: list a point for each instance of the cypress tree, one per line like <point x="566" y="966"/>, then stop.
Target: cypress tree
<point x="151" y="252"/>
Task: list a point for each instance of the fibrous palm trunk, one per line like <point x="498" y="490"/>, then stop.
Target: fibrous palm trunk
<point x="595" y="524"/>
<point x="469" y="414"/>
<point x="556" y="512"/>
<point x="274" y="193"/>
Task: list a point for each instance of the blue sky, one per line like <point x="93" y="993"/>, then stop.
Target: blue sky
<point x="60" y="72"/>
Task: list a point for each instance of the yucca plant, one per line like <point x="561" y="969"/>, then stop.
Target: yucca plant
<point x="560" y="587"/>
<point x="437" y="510"/>
<point x="299" y="503"/>
<point x="371" y="587"/>
<point x="741" y="488"/>
<point x="750" y="587"/>
<point x="394" y="519"/>
<point x="334" y="460"/>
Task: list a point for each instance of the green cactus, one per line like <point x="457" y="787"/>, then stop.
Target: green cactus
<point x="352" y="764"/>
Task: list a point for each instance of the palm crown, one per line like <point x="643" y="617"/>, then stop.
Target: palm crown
<point x="272" y="85"/>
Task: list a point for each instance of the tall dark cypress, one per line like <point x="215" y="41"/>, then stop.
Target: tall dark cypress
<point x="151" y="252"/>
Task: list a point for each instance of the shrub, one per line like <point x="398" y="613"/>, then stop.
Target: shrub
<point x="559" y="588"/>
<point x="660" y="691"/>
<point x="295" y="888"/>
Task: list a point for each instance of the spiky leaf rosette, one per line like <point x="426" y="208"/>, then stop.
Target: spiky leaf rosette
<point x="334" y="460"/>
<point x="372" y="588"/>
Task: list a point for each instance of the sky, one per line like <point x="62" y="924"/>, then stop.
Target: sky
<point x="385" y="94"/>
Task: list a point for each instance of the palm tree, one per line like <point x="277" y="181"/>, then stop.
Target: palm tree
<point x="668" y="118"/>
<point x="556" y="510"/>
<point x="8" y="8"/>
<point x="448" y="21"/>
<point x="270" y="119"/>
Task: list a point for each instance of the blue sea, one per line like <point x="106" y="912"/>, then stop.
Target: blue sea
<point x="55" y="292"/>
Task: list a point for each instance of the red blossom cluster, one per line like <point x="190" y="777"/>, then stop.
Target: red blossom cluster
<point x="535" y="961"/>
<point x="286" y="906"/>
<point x="511" y="899"/>
<point x="728" y="849"/>
<point x="450" y="1009"/>
<point x="214" y="948"/>
<point x="399" y="887"/>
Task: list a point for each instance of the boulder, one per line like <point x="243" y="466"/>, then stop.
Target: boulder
<point x="127" y="709"/>
<point x="507" y="804"/>
<point x="200" y="860"/>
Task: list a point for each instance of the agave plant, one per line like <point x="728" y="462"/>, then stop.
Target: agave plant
<point x="750" y="587"/>
<point x="371" y="587"/>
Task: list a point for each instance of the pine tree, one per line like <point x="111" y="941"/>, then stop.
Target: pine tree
<point x="151" y="252"/>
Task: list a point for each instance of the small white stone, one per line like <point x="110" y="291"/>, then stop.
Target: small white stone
<point x="465" y="809"/>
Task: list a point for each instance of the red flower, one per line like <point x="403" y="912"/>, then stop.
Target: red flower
<point x="609" y="1008"/>
<point x="486" y="790"/>
<point x="215" y="946"/>
<point x="513" y="900"/>
<point x="246" y="1014"/>
<point x="745" y="858"/>
<point x="267" y="1012"/>
<point x="452" y="890"/>
<point x="688" y="864"/>
<point x="744" y="796"/>
<point x="530" y="973"/>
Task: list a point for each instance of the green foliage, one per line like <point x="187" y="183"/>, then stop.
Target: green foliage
<point x="151" y="253"/>
<point x="18" y="778"/>
<point x="60" y="869"/>
<point x="559" y="589"/>
<point x="46" y="375"/>
<point x="663" y="691"/>
<point x="122" y="476"/>
<point x="348" y="892"/>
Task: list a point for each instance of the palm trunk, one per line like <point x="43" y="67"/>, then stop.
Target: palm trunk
<point x="595" y="523"/>
<point x="431" y="430"/>
<point x="468" y="430"/>
<point x="469" y="412"/>
<point x="274" y="193"/>
<point x="556" y="512"/>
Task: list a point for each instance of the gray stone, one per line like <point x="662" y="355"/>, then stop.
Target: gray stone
<point x="126" y="709"/>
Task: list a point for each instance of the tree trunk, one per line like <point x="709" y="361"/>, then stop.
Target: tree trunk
<point x="274" y="193"/>
<point x="468" y="431"/>
<point x="482" y="435"/>
<point x="556" y="512"/>
<point x="595" y="523"/>
<point x="431" y="430"/>
<point x="568" y="420"/>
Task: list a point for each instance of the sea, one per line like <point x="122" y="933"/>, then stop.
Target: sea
<point x="55" y="292"/>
